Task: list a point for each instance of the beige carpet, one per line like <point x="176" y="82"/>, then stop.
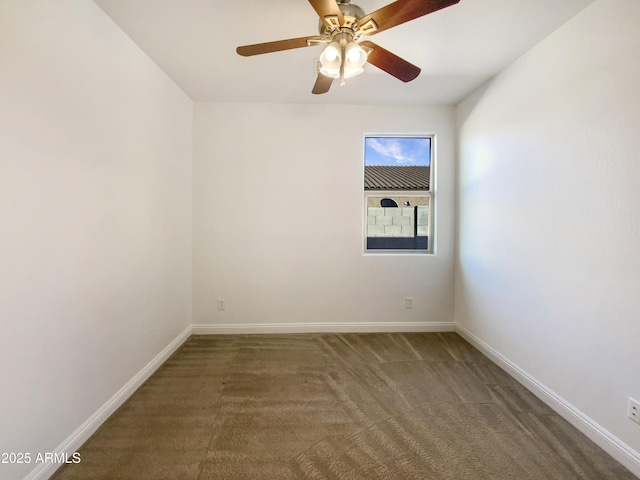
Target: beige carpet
<point x="349" y="406"/>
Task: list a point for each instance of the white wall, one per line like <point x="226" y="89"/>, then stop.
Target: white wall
<point x="305" y="162"/>
<point x="95" y="218"/>
<point x="548" y="263"/>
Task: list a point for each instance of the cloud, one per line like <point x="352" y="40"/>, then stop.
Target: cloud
<point x="400" y="150"/>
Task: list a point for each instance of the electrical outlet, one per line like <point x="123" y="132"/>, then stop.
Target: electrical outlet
<point x="221" y="304"/>
<point x="634" y="410"/>
<point x="408" y="302"/>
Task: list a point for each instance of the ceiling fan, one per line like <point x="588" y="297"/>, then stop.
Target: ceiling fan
<point x="342" y="24"/>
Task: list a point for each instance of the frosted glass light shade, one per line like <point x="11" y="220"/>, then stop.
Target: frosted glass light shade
<point x="355" y="58"/>
<point x="331" y="59"/>
<point x="355" y="55"/>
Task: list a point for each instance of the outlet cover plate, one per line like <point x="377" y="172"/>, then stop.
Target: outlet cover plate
<point x="634" y="410"/>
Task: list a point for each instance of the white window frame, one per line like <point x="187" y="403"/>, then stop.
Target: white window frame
<point x="430" y="194"/>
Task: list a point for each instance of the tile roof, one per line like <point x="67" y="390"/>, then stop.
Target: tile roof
<point x="396" y="178"/>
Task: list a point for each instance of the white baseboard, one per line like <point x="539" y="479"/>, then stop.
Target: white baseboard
<point x="89" y="427"/>
<point x="337" y="327"/>
<point x="598" y="434"/>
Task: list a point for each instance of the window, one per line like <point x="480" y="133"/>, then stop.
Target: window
<point x="398" y="201"/>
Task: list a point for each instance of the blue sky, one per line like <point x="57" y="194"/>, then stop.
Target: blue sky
<point x="398" y="151"/>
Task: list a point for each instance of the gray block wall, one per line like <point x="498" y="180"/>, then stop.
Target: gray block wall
<point x="397" y="221"/>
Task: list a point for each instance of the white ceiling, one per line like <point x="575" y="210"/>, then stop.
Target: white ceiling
<point x="458" y="48"/>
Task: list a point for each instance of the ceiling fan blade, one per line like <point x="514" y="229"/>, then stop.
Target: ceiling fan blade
<point x="268" y="47"/>
<point x="390" y="63"/>
<point x="328" y="11"/>
<point x="400" y="12"/>
<point x="322" y="85"/>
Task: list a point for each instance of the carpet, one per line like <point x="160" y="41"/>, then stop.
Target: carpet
<point x="336" y="406"/>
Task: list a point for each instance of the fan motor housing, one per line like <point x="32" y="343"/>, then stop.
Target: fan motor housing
<point x="352" y="13"/>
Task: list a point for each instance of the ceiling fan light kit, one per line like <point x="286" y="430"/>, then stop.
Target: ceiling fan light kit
<point x="342" y="58"/>
<point x="342" y="24"/>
